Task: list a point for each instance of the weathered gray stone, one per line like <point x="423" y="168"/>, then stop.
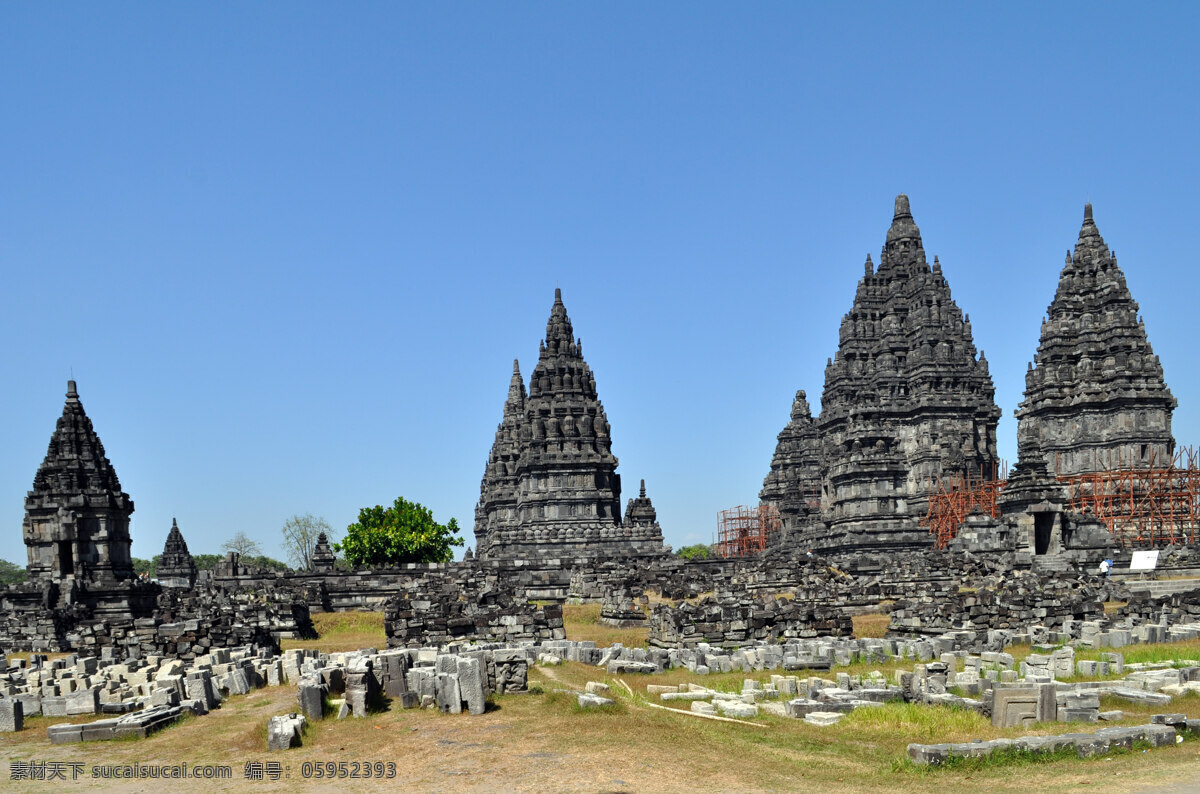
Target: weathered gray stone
<point x="12" y="715"/>
<point x="284" y="732"/>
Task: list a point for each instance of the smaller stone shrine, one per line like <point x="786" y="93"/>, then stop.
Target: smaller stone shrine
<point x="323" y="558"/>
<point x="176" y="568"/>
<point x="793" y="486"/>
<point x="77" y="517"/>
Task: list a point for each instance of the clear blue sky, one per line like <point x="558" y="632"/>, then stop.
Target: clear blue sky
<point x="289" y="250"/>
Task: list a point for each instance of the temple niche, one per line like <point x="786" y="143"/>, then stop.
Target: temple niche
<point x="77" y="517"/>
<point x="1095" y="397"/>
<point x="550" y="484"/>
<point x="907" y="399"/>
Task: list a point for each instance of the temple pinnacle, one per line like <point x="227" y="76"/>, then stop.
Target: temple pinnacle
<point x="902" y="208"/>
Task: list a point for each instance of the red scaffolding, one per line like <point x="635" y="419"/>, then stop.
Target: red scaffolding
<point x="742" y="530"/>
<point x="1144" y="501"/>
<point x="952" y="498"/>
<point x="1151" y="505"/>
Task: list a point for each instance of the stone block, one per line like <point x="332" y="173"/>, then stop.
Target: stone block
<point x="823" y="717"/>
<point x="311" y="696"/>
<point x="85" y="701"/>
<point x="284" y="732"/>
<point x="472" y="684"/>
<point x="12" y="715"/>
<point x="1014" y="707"/>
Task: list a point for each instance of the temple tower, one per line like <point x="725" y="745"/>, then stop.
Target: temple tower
<point x="1095" y="397"/>
<point x="550" y="486"/>
<point x="77" y="517"/>
<point x="907" y="399"/>
<point x="176" y="568"/>
<point x="793" y="484"/>
<point x="497" y="506"/>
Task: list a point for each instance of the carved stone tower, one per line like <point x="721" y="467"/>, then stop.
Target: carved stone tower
<point x="176" y="568"/>
<point x="793" y="485"/>
<point x="77" y="517"/>
<point x="1095" y="397"/>
<point x="497" y="507"/>
<point x="550" y="486"/>
<point x="907" y="399"/>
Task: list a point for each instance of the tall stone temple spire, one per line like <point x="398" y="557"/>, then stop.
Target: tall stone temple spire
<point x="77" y="517"/>
<point x="907" y="399"/>
<point x="1095" y="397"/>
<point x="793" y="485"/>
<point x="550" y="485"/>
<point x="497" y="505"/>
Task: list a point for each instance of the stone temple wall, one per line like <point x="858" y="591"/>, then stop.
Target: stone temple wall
<point x="738" y="619"/>
<point x="176" y="623"/>
<point x="441" y="617"/>
<point x="1008" y="601"/>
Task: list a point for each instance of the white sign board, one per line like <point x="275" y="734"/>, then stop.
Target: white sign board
<point x="1144" y="561"/>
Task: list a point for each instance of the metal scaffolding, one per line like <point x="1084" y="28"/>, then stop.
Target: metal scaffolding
<point x="742" y="530"/>
<point x="952" y="498"/>
<point x="1145" y="502"/>
<point x="1155" y="504"/>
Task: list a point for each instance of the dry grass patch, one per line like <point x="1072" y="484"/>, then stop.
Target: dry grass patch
<point x="582" y="622"/>
<point x="871" y="625"/>
<point x="343" y="631"/>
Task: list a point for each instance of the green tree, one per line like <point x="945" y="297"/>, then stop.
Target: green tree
<point x="265" y="562"/>
<point x="11" y="573"/>
<point x="300" y="535"/>
<point x="149" y="567"/>
<point x="206" y="562"/>
<point x="404" y="532"/>
<point x="699" y="551"/>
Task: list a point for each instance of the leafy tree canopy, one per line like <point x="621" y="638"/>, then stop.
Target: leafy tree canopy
<point x="699" y="551"/>
<point x="11" y="573"/>
<point x="404" y="532"/>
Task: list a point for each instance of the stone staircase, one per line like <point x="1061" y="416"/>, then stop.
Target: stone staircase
<point x="1052" y="564"/>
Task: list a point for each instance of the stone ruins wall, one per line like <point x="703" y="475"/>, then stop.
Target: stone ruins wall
<point x="730" y="619"/>
<point x="178" y="624"/>
<point x="1011" y="601"/>
<point x="439" y="618"/>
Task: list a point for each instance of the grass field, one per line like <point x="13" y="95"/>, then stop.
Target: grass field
<point x="543" y="742"/>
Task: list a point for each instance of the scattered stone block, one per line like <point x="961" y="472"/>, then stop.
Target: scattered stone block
<point x="284" y="732"/>
<point x="12" y="715"/>
<point x="589" y="701"/>
<point x="823" y="717"/>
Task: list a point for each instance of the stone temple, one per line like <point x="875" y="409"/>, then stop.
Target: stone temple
<point x="793" y="485"/>
<point x="77" y="517"/>
<point x="1095" y="396"/>
<point x="907" y="399"/>
<point x="1095" y="400"/>
<point x="550" y="485"/>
